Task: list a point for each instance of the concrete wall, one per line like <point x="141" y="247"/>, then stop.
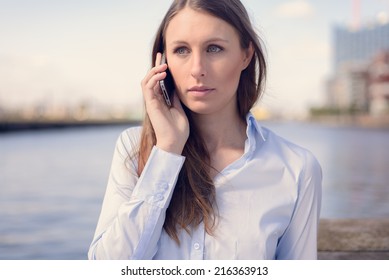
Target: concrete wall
<point x="353" y="239"/>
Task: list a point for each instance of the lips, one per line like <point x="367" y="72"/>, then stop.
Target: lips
<point x="200" y="90"/>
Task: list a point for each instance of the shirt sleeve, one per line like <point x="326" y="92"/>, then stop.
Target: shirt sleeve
<point x="299" y="241"/>
<point x="134" y="209"/>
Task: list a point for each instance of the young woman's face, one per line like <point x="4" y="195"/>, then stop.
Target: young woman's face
<point x="205" y="58"/>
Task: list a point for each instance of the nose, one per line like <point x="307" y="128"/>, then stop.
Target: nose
<point x="198" y="67"/>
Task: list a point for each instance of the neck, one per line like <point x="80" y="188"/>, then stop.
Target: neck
<point x="221" y="130"/>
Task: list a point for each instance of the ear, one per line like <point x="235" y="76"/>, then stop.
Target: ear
<point x="247" y="56"/>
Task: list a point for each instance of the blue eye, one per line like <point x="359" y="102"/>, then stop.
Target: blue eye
<point x="214" y="49"/>
<point x="181" y="51"/>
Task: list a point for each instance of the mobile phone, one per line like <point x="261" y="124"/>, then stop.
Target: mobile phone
<point x="162" y="85"/>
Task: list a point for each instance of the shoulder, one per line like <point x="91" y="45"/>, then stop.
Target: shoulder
<point x="128" y="141"/>
<point x="297" y="161"/>
<point x="131" y="134"/>
<point x="292" y="154"/>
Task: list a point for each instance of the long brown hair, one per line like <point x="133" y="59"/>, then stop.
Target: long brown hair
<point x="193" y="200"/>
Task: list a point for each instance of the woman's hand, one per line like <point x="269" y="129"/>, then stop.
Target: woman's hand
<point x="170" y="124"/>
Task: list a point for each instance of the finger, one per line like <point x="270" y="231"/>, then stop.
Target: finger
<point x="150" y="83"/>
<point x="155" y="74"/>
<point x="154" y="71"/>
<point x="153" y="82"/>
<point x="158" y="92"/>
<point x="151" y="90"/>
<point x="158" y="59"/>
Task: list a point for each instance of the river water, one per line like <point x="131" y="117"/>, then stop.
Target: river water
<point x="52" y="182"/>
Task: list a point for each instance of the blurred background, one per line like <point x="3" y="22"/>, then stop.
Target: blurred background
<point x="70" y="74"/>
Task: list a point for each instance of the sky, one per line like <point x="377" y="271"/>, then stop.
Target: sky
<point x="99" y="51"/>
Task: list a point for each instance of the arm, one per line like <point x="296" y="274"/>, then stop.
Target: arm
<point x="133" y="210"/>
<point x="300" y="238"/>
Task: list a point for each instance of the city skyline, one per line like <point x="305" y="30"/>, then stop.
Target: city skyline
<point x="71" y="52"/>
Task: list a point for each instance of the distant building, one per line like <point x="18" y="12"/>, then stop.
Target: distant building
<point x="379" y="84"/>
<point x="359" y="46"/>
<point x="357" y="83"/>
<point x="349" y="88"/>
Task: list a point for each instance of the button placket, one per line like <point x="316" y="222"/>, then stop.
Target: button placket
<point x="196" y="246"/>
<point x="197" y="251"/>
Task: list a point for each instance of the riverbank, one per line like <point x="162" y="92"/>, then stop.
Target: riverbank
<point x="353" y="239"/>
<point x="18" y="124"/>
<point x="13" y="126"/>
<point x="366" y="121"/>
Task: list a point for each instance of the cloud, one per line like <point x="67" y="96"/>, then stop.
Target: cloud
<point x="295" y="9"/>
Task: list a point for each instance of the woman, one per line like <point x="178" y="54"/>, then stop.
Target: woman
<point x="202" y="179"/>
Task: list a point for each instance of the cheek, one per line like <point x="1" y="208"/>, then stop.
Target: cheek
<point x="177" y="74"/>
<point x="231" y="76"/>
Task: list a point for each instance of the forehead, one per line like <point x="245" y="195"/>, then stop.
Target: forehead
<point x="191" y="25"/>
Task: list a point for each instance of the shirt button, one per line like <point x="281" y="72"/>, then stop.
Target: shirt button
<point x="159" y="197"/>
<point x="196" y="246"/>
<point x="163" y="186"/>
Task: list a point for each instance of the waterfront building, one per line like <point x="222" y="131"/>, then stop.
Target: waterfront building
<point x="348" y="90"/>
<point x="360" y="45"/>
<point x="379" y="85"/>
<point x="354" y="85"/>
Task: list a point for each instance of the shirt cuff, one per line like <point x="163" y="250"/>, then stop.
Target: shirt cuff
<point x="159" y="176"/>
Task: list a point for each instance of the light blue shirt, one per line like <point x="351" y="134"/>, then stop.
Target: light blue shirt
<point x="268" y="204"/>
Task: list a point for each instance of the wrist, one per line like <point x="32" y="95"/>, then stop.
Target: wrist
<point x="171" y="148"/>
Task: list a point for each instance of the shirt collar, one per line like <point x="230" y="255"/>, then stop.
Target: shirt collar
<point x="253" y="130"/>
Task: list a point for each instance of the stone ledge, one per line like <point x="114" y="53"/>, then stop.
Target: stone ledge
<point x="325" y="255"/>
<point x="353" y="239"/>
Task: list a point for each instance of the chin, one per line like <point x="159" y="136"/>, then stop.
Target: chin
<point x="199" y="107"/>
<point x="203" y="109"/>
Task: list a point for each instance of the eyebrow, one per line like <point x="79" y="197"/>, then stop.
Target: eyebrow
<point x="211" y="40"/>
